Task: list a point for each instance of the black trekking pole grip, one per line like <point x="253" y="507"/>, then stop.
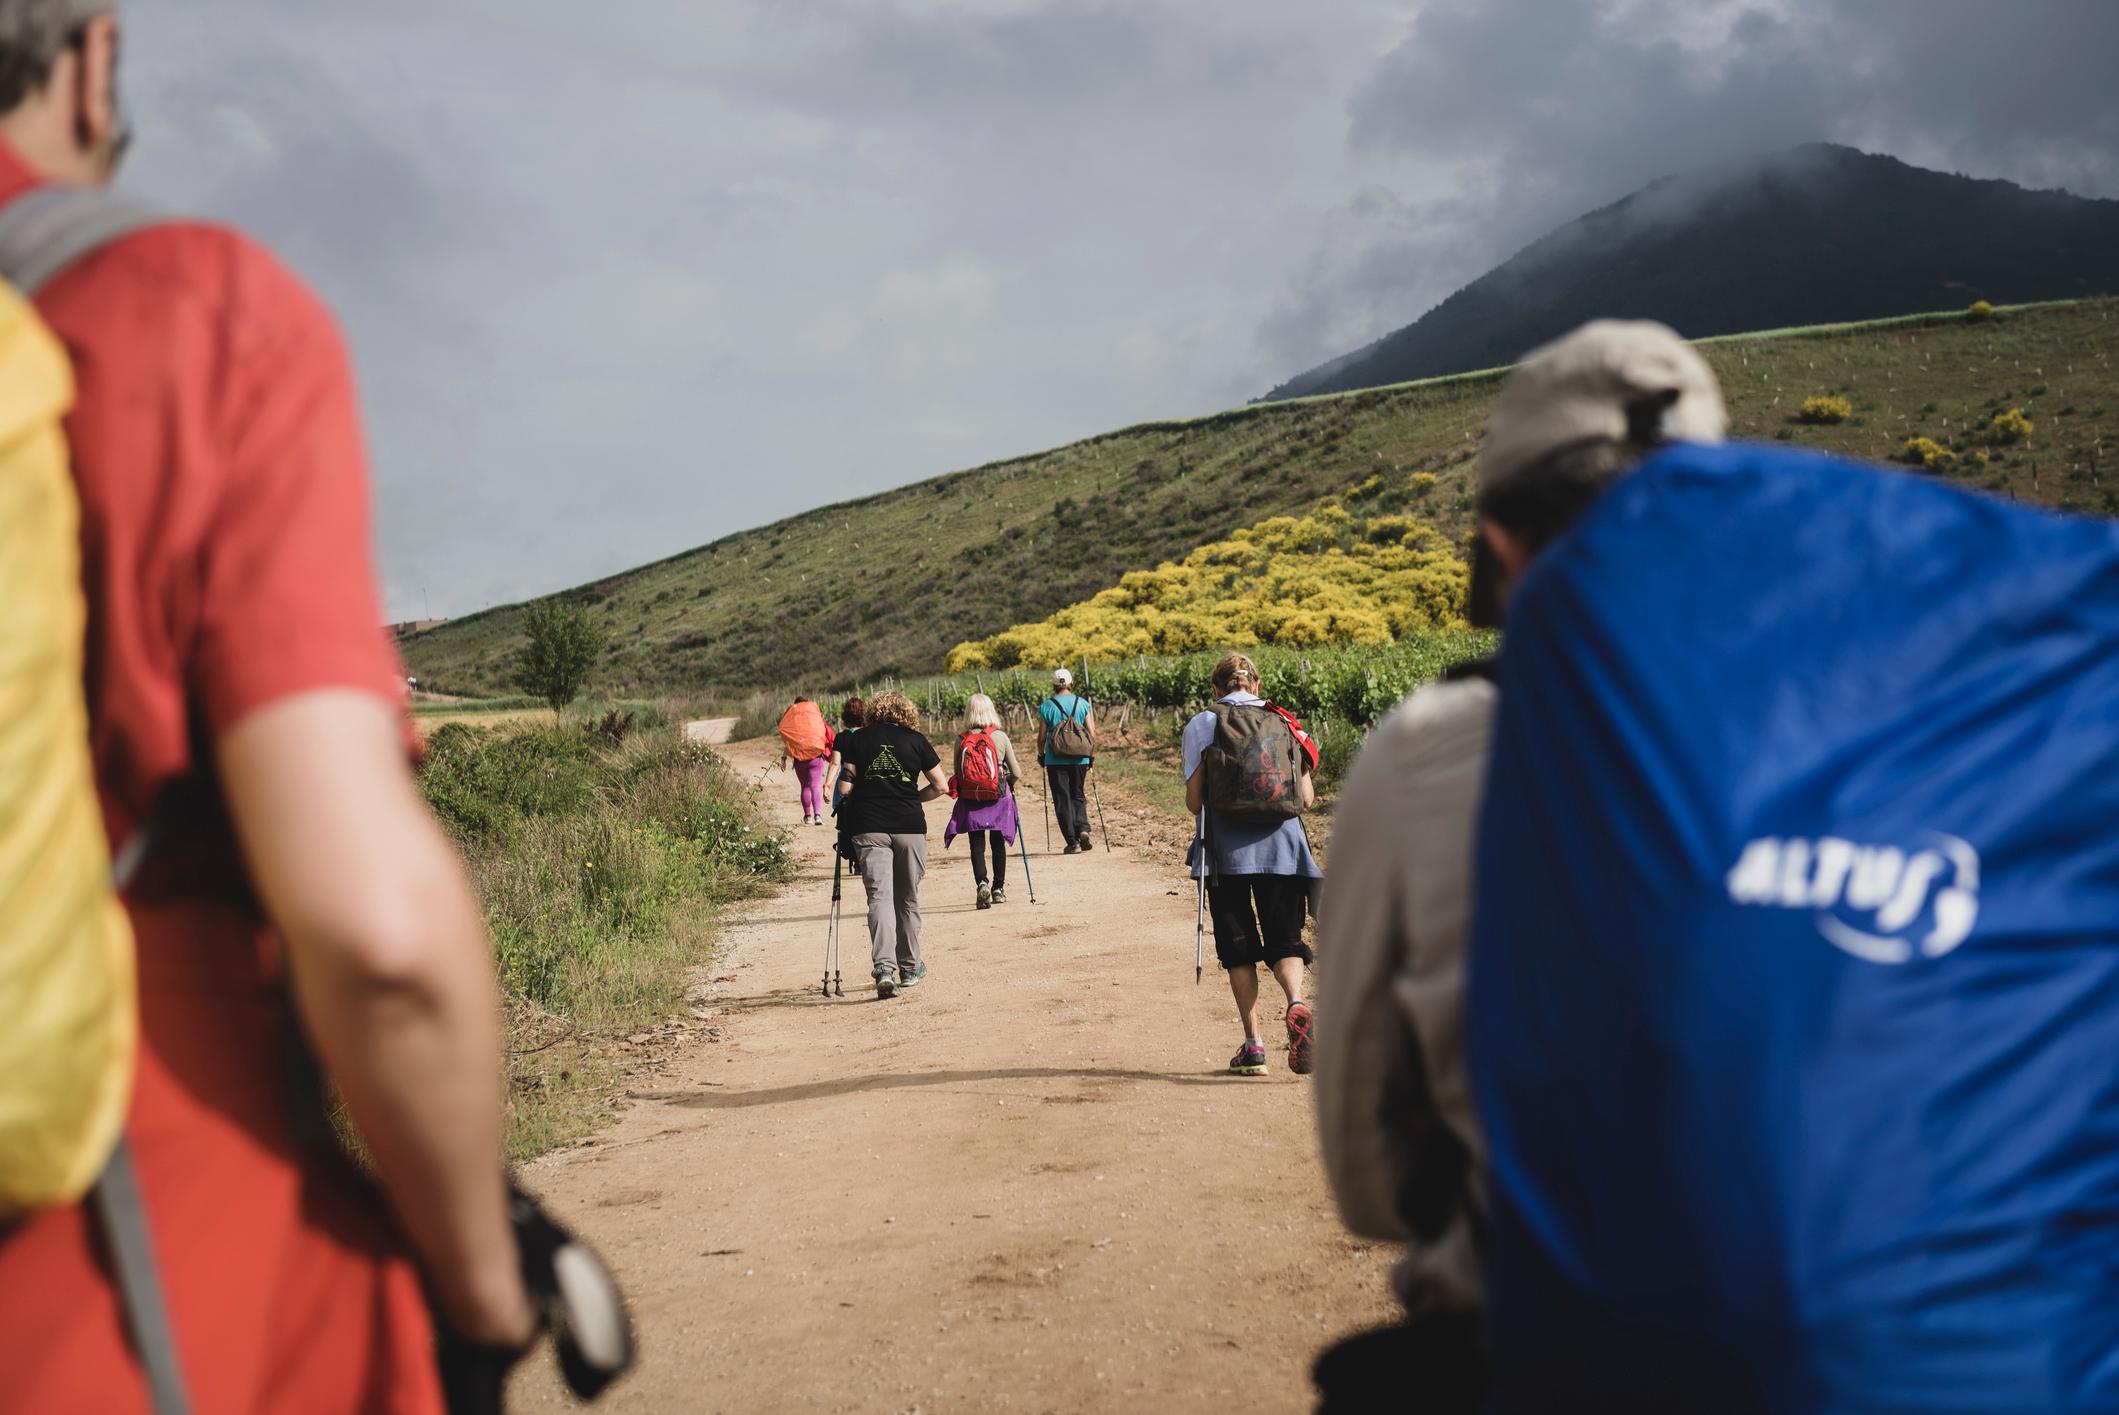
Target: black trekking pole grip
<point x="577" y="1302"/>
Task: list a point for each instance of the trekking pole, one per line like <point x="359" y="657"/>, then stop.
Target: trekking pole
<point x="831" y="927"/>
<point x="1099" y="797"/>
<point x="1015" y="808"/>
<point x="1199" y="919"/>
<point x="1048" y="820"/>
<point x="1199" y="937"/>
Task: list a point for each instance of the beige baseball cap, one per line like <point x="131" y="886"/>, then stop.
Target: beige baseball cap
<point x="1595" y="385"/>
<point x="1061" y="677"/>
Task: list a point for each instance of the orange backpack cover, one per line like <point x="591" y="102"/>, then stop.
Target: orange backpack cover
<point x="802" y="731"/>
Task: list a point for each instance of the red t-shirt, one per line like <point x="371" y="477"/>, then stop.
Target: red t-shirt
<point x="226" y="555"/>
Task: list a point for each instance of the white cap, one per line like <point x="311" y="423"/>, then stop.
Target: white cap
<point x="1061" y="678"/>
<point x="1591" y="386"/>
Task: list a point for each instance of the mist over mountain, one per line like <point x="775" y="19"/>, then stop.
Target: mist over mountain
<point x="1811" y="235"/>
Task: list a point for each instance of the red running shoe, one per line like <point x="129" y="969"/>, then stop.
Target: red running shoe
<point x="1300" y="1026"/>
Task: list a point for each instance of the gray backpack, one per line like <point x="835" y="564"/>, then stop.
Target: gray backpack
<point x="1072" y="736"/>
<point x="1253" y="765"/>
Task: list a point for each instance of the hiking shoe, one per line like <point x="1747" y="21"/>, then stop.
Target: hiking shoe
<point x="1250" y="1060"/>
<point x="1083" y="840"/>
<point x="887" y="985"/>
<point x="1301" y="1025"/>
<point x="1072" y="849"/>
<point x="1000" y="895"/>
<point x="985" y="896"/>
<point x="910" y="977"/>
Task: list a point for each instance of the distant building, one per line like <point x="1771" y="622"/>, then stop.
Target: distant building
<point x="414" y="626"/>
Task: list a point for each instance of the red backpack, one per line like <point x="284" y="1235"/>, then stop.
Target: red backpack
<point x="979" y="778"/>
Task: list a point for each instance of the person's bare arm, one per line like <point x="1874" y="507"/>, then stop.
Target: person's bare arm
<point x="936" y="785"/>
<point x="393" y="975"/>
<point x="1309" y="787"/>
<point x="1196" y="790"/>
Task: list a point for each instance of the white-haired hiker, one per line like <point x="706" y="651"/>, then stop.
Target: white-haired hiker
<point x="893" y="770"/>
<point x="1066" y="746"/>
<point x="984" y="781"/>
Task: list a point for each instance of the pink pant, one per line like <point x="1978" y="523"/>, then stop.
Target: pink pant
<point x="811" y="775"/>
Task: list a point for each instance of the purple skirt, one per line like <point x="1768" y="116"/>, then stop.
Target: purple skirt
<point x="981" y="815"/>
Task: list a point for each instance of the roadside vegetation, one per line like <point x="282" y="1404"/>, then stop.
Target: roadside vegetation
<point x="602" y="847"/>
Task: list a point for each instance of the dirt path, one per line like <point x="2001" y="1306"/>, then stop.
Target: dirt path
<point x="711" y="730"/>
<point x="1025" y="1185"/>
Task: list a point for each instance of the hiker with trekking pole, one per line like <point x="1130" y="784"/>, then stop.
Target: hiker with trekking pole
<point x="1066" y="743"/>
<point x="891" y="771"/>
<point x="983" y="782"/>
<point x="1247" y="767"/>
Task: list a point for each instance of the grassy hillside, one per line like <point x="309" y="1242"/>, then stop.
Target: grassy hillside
<point x="887" y="584"/>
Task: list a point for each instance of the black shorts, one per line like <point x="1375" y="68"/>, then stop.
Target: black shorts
<point x="1258" y="918"/>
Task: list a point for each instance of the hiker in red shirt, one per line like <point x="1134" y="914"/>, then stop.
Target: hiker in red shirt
<point x="246" y="713"/>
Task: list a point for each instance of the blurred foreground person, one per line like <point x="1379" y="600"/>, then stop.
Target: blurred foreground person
<point x="247" y="733"/>
<point x="1401" y="1145"/>
<point x="1795" y="949"/>
<point x="892" y="770"/>
<point x="1247" y="768"/>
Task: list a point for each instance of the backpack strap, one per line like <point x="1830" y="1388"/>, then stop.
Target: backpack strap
<point x="44" y="231"/>
<point x="122" y="1216"/>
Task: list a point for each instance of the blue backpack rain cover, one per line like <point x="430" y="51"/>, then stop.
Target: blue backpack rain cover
<point x="1794" y="1000"/>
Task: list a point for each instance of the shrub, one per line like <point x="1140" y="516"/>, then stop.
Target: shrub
<point x="1927" y="453"/>
<point x="2011" y="426"/>
<point x="598" y="862"/>
<point x="1978" y="312"/>
<point x="1330" y="577"/>
<point x="565" y="641"/>
<point x="1825" y="408"/>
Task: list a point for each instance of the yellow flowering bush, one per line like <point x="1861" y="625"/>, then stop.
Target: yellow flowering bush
<point x="2011" y="426"/>
<point x="1826" y="408"/>
<point x="1978" y="312"/>
<point x="1927" y="452"/>
<point x="1330" y="577"/>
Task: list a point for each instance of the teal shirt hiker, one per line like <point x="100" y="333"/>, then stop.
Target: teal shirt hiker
<point x="1054" y="711"/>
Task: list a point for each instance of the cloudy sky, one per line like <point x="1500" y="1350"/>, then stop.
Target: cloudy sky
<point x="622" y="278"/>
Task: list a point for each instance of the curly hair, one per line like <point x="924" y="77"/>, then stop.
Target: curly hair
<point x="893" y="706"/>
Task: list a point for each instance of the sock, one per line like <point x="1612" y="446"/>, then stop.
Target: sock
<point x="1295" y="1002"/>
<point x="1254" y="1041"/>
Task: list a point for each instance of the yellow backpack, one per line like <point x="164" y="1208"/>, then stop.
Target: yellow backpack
<point x="66" y="954"/>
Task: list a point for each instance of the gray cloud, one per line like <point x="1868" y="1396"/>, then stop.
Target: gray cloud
<point x="1499" y="119"/>
<point x="620" y="280"/>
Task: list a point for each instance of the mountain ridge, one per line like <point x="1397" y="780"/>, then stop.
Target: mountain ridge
<point x="1819" y="233"/>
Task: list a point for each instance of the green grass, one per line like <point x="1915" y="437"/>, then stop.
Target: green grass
<point x="476" y="705"/>
<point x="601" y="858"/>
<point x="884" y="586"/>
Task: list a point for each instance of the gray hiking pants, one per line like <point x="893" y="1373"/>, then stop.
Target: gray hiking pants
<point x="891" y="867"/>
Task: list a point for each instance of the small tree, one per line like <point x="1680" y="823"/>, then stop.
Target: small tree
<point x="565" y="642"/>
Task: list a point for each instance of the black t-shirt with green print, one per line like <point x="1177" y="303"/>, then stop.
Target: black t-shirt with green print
<point x="889" y="762"/>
